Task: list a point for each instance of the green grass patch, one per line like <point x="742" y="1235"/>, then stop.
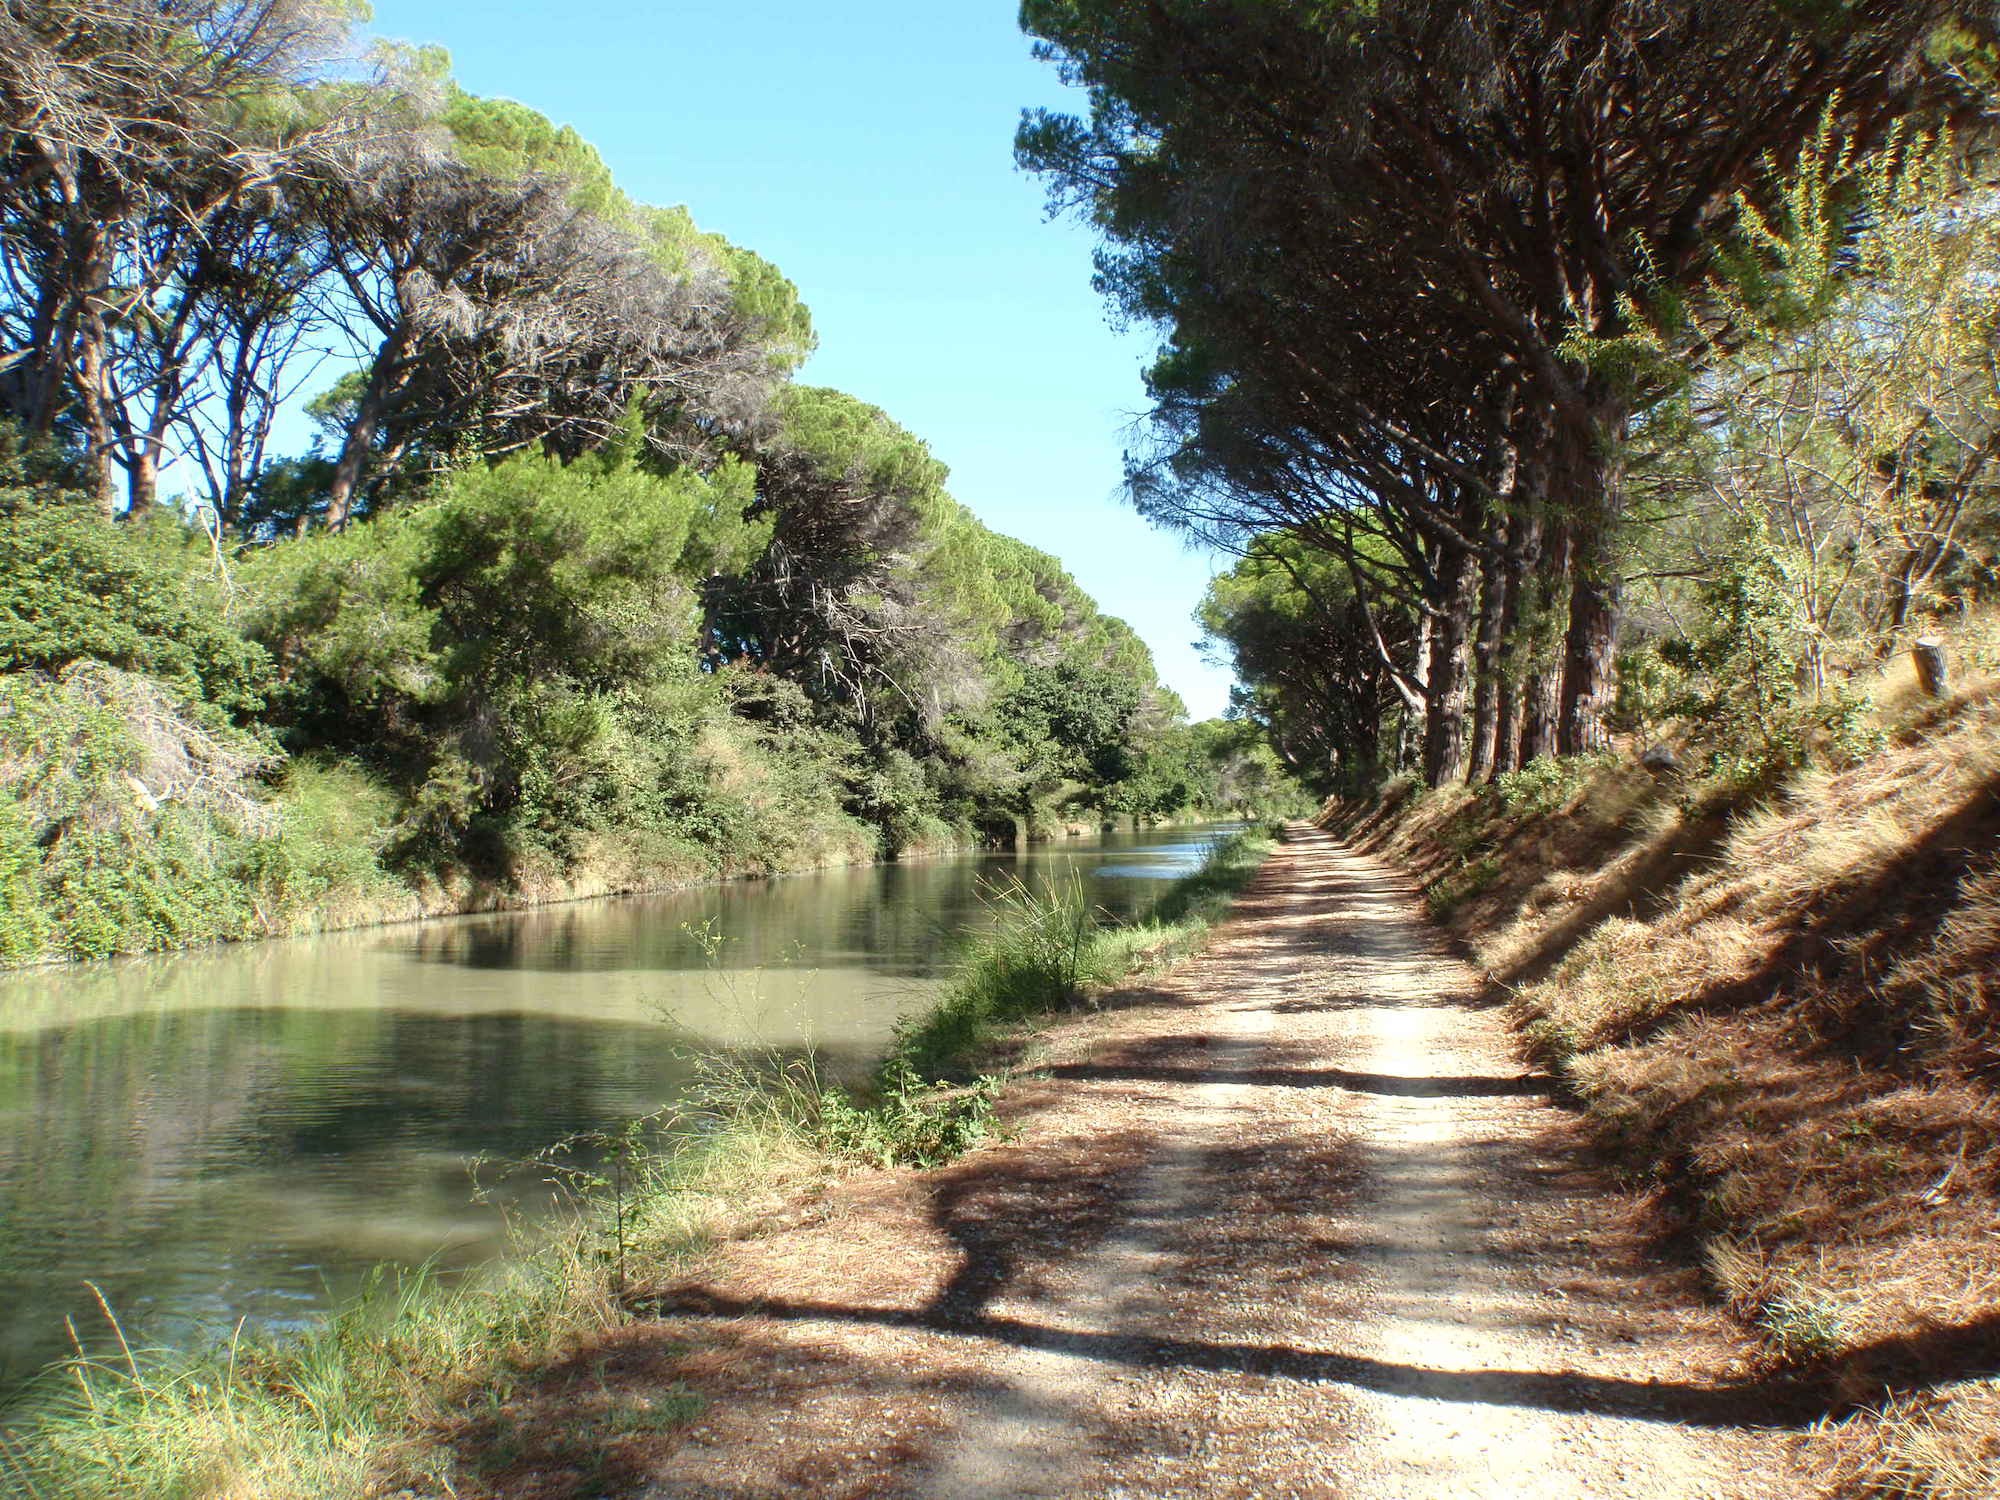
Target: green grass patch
<point x="360" y="1404"/>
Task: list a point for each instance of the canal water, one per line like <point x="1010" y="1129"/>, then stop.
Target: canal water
<point x="242" y="1133"/>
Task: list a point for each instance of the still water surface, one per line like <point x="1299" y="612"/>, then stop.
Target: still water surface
<point x="243" y="1132"/>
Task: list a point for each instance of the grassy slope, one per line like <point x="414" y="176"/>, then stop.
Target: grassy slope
<point x="353" y="1408"/>
<point x="1786" y="1020"/>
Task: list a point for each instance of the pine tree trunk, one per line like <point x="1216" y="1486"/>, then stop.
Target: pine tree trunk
<point x="1483" y="746"/>
<point x="1507" y="730"/>
<point x="1444" y="706"/>
<point x="1523" y="559"/>
<point x="142" y="481"/>
<point x="93" y="409"/>
<point x="1542" y="688"/>
<point x="1594" y="500"/>
<point x="1590" y="666"/>
<point x="351" y="469"/>
<point x="1541" y="712"/>
<point x="1410" y="733"/>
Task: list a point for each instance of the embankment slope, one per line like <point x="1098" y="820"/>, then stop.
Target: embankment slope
<point x="1784" y="1021"/>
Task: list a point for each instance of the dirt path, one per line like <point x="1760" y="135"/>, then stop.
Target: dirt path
<point x="1293" y="1223"/>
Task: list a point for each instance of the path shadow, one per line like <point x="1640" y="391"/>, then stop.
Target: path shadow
<point x="1644" y="888"/>
<point x="1768" y="1403"/>
<point x="1443" y="1086"/>
<point x="1899" y="908"/>
<point x="1000" y="1216"/>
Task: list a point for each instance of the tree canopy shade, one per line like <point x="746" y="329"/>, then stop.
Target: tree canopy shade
<point x="1389" y="244"/>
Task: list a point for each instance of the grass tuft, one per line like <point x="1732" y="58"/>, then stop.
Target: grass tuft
<point x="1051" y="951"/>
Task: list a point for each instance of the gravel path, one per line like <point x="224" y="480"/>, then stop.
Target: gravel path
<point x="1295" y="1222"/>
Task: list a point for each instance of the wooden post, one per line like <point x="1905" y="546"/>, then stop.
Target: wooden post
<point x="1932" y="670"/>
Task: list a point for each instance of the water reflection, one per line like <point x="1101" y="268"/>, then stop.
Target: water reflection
<point x="243" y="1132"/>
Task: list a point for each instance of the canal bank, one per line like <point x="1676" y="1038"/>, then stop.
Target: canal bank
<point x="550" y="1295"/>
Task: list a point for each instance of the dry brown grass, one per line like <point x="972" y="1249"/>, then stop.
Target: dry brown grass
<point x="1942" y="1444"/>
<point x="1786" y="1019"/>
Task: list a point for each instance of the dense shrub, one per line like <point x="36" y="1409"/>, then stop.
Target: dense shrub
<point x="145" y="596"/>
<point x="534" y="681"/>
<point x="103" y="852"/>
<point x="514" y="653"/>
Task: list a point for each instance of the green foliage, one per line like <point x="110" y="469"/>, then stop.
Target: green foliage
<point x="325" y="861"/>
<point x="906" y="1122"/>
<point x="96" y="864"/>
<point x="1802" y="1329"/>
<point x="145" y="596"/>
<point x="1747" y="690"/>
<point x="1076" y="718"/>
<point x="1292" y="625"/>
<point x="1461" y="885"/>
<point x="1039" y="957"/>
<point x="27" y="931"/>
<point x="1048" y="949"/>
<point x="504" y="139"/>
<point x="894" y="792"/>
<point x="843" y="603"/>
<point x="516" y="650"/>
<point x="843" y="438"/>
<point x="1849" y="432"/>
<point x="764" y="298"/>
<point x="1545" y="786"/>
<point x="129" y="824"/>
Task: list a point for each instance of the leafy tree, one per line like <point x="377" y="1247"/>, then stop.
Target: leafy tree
<point x="1853" y="428"/>
<point x="1369" y="228"/>
<point x="849" y="496"/>
<point x="513" y="648"/>
<point x="133" y="139"/>
<point x="1291" y="624"/>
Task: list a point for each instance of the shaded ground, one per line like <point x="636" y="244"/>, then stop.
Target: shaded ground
<point x="1293" y="1222"/>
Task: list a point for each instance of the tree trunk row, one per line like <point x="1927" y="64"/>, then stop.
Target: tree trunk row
<point x="1518" y="653"/>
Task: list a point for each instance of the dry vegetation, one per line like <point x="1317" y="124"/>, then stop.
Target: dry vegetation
<point x="1785" y="1019"/>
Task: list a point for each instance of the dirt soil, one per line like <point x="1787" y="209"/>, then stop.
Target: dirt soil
<point x="1292" y="1221"/>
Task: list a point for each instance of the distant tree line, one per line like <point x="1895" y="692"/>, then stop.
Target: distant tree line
<point x="1471" y="313"/>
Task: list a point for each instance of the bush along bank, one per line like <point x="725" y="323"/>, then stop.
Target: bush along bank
<point x="377" y="1399"/>
<point x="1777" y="1008"/>
<point x="502" y="697"/>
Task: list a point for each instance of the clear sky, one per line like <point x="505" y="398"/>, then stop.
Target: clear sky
<point x="867" y="149"/>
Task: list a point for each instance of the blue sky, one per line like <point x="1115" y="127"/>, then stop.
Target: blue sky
<point x="867" y="150"/>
